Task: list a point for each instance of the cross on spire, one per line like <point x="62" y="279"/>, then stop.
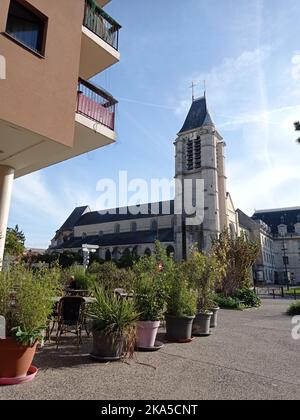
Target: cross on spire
<point x="193" y="90"/>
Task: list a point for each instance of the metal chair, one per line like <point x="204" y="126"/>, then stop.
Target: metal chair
<point x="70" y="314"/>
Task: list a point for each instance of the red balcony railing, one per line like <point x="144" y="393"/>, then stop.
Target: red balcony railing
<point x="96" y="104"/>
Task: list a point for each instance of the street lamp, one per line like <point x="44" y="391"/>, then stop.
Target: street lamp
<point x="285" y="263"/>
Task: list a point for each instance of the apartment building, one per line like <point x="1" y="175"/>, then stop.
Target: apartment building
<point x="49" y="111"/>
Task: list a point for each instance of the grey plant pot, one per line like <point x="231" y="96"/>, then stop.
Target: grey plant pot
<point x="201" y="325"/>
<point x="179" y="328"/>
<point x="214" y="318"/>
<point x="107" y="347"/>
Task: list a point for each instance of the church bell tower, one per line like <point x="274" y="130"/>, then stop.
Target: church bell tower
<point x="200" y="156"/>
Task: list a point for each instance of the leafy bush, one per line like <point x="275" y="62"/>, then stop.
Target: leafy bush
<point x="294" y="309"/>
<point x="114" y="317"/>
<point x="110" y="277"/>
<point x="84" y="280"/>
<point x="202" y="273"/>
<point x="248" y="297"/>
<point x="182" y="299"/>
<point x="235" y="257"/>
<point x="26" y="301"/>
<point x="228" y="302"/>
<point x="150" y="295"/>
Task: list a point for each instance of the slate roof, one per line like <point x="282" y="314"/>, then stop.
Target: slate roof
<point x="74" y="218"/>
<point x="198" y="116"/>
<point x="246" y="221"/>
<point x="118" y="239"/>
<point x="273" y="218"/>
<point x="97" y="217"/>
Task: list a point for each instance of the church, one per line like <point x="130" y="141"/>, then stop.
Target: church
<point x="200" y="155"/>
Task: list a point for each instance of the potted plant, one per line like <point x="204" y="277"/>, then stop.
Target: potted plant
<point x="113" y="326"/>
<point x="149" y="301"/>
<point x="26" y="303"/>
<point x="202" y="273"/>
<point x="151" y="286"/>
<point x="181" y="308"/>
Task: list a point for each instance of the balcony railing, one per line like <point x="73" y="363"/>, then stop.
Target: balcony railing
<point x="101" y="24"/>
<point x="96" y="104"/>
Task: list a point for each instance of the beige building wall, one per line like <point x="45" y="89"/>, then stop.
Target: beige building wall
<point x="39" y="94"/>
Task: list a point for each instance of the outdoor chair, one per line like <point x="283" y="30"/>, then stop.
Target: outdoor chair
<point x="70" y="318"/>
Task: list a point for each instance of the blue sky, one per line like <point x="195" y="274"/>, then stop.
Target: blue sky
<point x="248" y="51"/>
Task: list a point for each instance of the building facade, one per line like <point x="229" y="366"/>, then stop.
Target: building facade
<point x="199" y="156"/>
<point x="49" y="111"/>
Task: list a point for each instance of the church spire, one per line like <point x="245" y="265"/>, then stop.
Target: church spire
<point x="198" y="116"/>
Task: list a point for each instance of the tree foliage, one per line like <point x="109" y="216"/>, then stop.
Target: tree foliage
<point x="235" y="257"/>
<point x="15" y="242"/>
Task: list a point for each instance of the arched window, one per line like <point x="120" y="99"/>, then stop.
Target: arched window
<point x="135" y="252"/>
<point x="170" y="251"/>
<point x="133" y="227"/>
<point x="117" y="228"/>
<point x="116" y="254"/>
<point x="148" y="252"/>
<point x="108" y="255"/>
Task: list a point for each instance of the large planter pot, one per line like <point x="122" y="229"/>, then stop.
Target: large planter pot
<point x="179" y="328"/>
<point x="201" y="325"/>
<point x="107" y="347"/>
<point x="214" y="318"/>
<point x="146" y="333"/>
<point x="15" y="360"/>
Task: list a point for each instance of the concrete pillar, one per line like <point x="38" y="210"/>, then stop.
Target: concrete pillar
<point x="6" y="184"/>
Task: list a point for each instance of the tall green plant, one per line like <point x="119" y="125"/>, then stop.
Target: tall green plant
<point x="113" y="317"/>
<point x="235" y="257"/>
<point x="182" y="298"/>
<point x="26" y="301"/>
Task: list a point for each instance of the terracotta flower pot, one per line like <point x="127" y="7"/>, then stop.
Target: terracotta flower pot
<point x="15" y="359"/>
<point x="146" y="333"/>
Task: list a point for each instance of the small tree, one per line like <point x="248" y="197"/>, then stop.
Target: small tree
<point x="15" y="242"/>
<point x="235" y="257"/>
<point x="202" y="272"/>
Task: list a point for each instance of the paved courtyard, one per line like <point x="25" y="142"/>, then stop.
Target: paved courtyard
<point x="250" y="356"/>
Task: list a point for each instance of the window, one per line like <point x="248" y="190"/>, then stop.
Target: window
<point x="27" y="25"/>
<point x="286" y="260"/>
<point x="101" y="233"/>
<point x="154" y="225"/>
<point x="133" y="227"/>
<point x="117" y="228"/>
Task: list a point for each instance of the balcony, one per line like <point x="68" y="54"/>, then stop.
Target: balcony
<point x="96" y="104"/>
<point x="100" y="41"/>
<point x="94" y="119"/>
<point x="94" y="124"/>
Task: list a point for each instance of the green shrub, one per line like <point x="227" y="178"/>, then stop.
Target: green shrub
<point x="26" y="301"/>
<point x="294" y="309"/>
<point x="228" y="302"/>
<point x="248" y="297"/>
<point x="84" y="280"/>
<point x="150" y="296"/>
<point x="182" y="299"/>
